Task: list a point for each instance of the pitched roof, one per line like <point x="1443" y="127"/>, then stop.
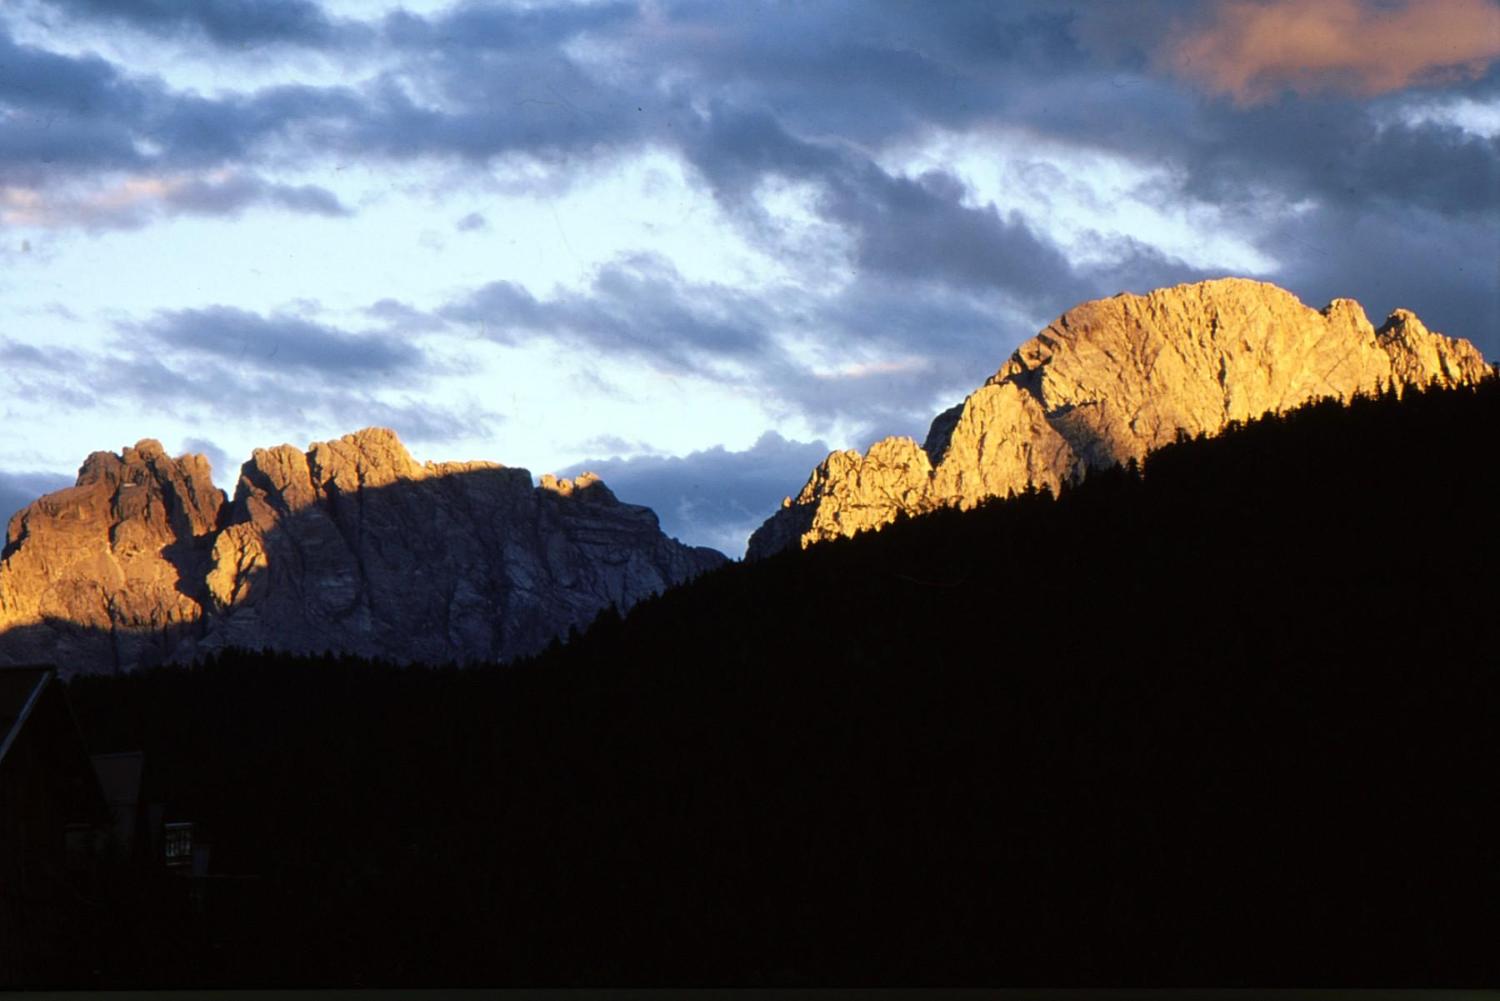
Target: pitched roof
<point x="20" y="688"/>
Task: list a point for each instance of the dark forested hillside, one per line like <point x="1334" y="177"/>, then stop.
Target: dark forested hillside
<point x="1228" y="721"/>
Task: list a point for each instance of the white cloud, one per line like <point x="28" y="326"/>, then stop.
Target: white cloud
<point x="1477" y="118"/>
<point x="1083" y="199"/>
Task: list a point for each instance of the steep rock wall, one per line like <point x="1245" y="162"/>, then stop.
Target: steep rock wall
<point x="1112" y="379"/>
<point x="350" y="547"/>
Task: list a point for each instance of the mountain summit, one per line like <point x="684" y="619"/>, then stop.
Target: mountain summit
<point x="351" y="547"/>
<point x="1112" y="379"/>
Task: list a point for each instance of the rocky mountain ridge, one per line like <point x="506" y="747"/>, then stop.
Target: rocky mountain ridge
<point x="1108" y="381"/>
<point x="351" y="547"/>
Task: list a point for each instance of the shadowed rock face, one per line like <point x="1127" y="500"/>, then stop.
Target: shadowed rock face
<point x="350" y="547"/>
<point x="1112" y="379"/>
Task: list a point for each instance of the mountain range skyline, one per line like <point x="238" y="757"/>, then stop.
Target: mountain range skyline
<point x="792" y="493"/>
<point x="1178" y="725"/>
<point x="1282" y="353"/>
<point x="353" y="547"/>
<point x="678" y="244"/>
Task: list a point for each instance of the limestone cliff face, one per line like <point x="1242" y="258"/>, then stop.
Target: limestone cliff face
<point x="1112" y="379"/>
<point x="355" y="547"/>
<point x="110" y="571"/>
<point x="351" y="546"/>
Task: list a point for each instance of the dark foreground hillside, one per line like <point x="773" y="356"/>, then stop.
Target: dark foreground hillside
<point x="1230" y="723"/>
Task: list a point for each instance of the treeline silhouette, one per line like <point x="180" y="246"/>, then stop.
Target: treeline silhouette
<point x="1227" y="720"/>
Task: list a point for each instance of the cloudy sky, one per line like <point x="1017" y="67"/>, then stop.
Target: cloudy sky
<point x="690" y="245"/>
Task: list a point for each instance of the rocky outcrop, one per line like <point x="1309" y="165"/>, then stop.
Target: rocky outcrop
<point x="356" y="547"/>
<point x="109" y="572"/>
<point x="1112" y="379"/>
<point x="351" y="546"/>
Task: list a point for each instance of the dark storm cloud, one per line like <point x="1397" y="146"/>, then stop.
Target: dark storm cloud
<point x="714" y="497"/>
<point x="284" y="342"/>
<point x="19" y="489"/>
<point x="237" y="23"/>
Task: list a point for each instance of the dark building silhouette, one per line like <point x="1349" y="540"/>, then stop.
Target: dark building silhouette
<point x="136" y="833"/>
<point x="53" y="814"/>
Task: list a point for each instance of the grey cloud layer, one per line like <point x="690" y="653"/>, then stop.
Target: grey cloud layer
<point x="641" y="308"/>
<point x="1346" y="192"/>
<point x="773" y="90"/>
<point x="128" y="206"/>
<point x="506" y="81"/>
<point x="232" y="23"/>
<point x="284" y="365"/>
<point x="285" y="342"/>
<point x="220" y="364"/>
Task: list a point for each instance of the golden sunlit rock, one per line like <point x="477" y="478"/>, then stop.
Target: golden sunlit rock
<point x="103" y="572"/>
<point x="351" y="546"/>
<point x="1112" y="379"/>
